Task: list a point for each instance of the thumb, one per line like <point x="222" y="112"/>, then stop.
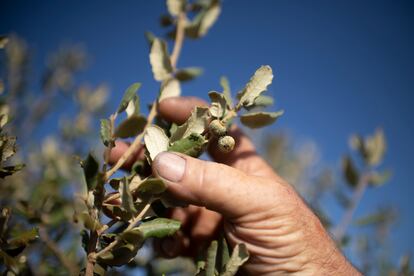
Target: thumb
<point x="216" y="186"/>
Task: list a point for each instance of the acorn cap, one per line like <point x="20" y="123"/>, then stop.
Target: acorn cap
<point x="226" y="143"/>
<point x="217" y="128"/>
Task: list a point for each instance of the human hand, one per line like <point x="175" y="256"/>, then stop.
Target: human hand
<point x="258" y="207"/>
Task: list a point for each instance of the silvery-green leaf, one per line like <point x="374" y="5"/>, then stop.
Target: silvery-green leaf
<point x="169" y="88"/>
<point x="127" y="202"/>
<point x="263" y="100"/>
<point x="210" y="17"/>
<point x="175" y="6"/>
<point x="372" y="148"/>
<point x="151" y="186"/>
<point x="133" y="236"/>
<point x="239" y="256"/>
<point x="173" y="127"/>
<point x="90" y="170"/>
<point x="160" y="60"/>
<point x="191" y="145"/>
<point x="99" y="269"/>
<point x="189" y="73"/>
<point x="9" y="170"/>
<point x="223" y="254"/>
<point x="105" y="133"/>
<point x="5" y="213"/>
<point x="129" y="95"/>
<point x="23" y="237"/>
<point x="200" y="267"/>
<point x="133" y="107"/>
<point x="219" y="104"/>
<point x="135" y="181"/>
<point x="259" y="119"/>
<point x="130" y="127"/>
<point x="115" y="211"/>
<point x="7" y="147"/>
<point x="89" y="222"/>
<point x="192" y="28"/>
<point x="159" y="228"/>
<point x="356" y="142"/>
<point x="375" y="146"/>
<point x="120" y="254"/>
<point x="4" y="118"/>
<point x="224" y="82"/>
<point x="379" y="178"/>
<point x="350" y="172"/>
<point x="258" y="84"/>
<point x="155" y="141"/>
<point x="260" y="103"/>
<point x="203" y="21"/>
<point x="197" y="123"/>
<point x="210" y="268"/>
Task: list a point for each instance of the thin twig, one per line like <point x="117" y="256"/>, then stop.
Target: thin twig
<point x="92" y="256"/>
<point x="229" y="116"/>
<point x="342" y="226"/>
<point x="135" y="220"/>
<point x="63" y="259"/>
<point x="107" y="226"/>
<point x="133" y="187"/>
<point x="130" y="226"/>
<point x="93" y="240"/>
<point x="179" y="39"/>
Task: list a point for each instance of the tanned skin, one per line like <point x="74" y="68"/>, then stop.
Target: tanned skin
<point x="240" y="193"/>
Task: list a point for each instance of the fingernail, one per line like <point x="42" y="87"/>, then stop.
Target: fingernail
<point x="170" y="166"/>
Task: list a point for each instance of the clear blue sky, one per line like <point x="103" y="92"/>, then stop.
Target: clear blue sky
<point x="341" y="67"/>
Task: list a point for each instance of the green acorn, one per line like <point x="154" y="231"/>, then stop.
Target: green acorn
<point x="226" y="143"/>
<point x="217" y="128"/>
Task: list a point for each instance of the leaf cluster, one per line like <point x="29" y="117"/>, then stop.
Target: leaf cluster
<point x="219" y="260"/>
<point x="127" y="199"/>
<point x="371" y="150"/>
<point x="13" y="240"/>
<point x="7" y="146"/>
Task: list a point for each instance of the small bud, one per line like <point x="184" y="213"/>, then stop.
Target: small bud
<point x="226" y="143"/>
<point x="217" y="128"/>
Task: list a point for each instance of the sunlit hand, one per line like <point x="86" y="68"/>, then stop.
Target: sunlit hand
<point x="241" y="193"/>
